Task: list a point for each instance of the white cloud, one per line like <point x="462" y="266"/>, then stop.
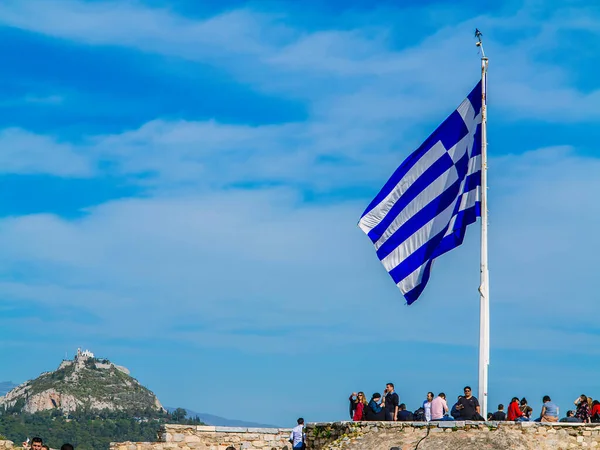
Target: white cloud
<point x="333" y="66"/>
<point x="175" y="261"/>
<point x="23" y="152"/>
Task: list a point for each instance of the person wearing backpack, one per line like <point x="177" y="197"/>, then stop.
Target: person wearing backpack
<point x="298" y="437"/>
<point x="419" y="415"/>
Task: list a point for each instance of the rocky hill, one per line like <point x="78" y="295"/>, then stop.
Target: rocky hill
<point x="84" y="383"/>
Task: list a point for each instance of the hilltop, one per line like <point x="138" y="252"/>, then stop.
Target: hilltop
<point x="83" y="383"/>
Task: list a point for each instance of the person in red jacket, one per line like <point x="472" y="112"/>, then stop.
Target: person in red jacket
<point x="358" y="402"/>
<point x="514" y="411"/>
<point x="595" y="412"/>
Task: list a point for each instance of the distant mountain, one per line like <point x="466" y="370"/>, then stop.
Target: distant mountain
<point x="84" y="383"/>
<point x="210" y="419"/>
<point x="6" y="386"/>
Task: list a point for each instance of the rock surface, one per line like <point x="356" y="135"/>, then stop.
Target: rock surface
<point x="451" y="435"/>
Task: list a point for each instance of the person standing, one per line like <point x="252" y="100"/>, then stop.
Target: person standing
<point x="439" y="407"/>
<point x="297" y="437"/>
<point x="358" y="402"/>
<point x="427" y="406"/>
<point x="469" y="406"/>
<point x="392" y="401"/>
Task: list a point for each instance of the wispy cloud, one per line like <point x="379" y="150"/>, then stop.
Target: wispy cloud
<point x="23" y="152"/>
<point x="271" y="52"/>
<point x="44" y="100"/>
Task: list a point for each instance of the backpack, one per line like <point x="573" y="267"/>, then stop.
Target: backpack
<point x="419" y="415"/>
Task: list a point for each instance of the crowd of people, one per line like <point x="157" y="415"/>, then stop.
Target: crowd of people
<point x="38" y="444"/>
<point x="387" y="407"/>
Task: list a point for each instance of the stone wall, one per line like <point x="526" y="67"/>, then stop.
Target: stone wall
<point x="5" y="445"/>
<point x="192" y="437"/>
<point x="452" y="435"/>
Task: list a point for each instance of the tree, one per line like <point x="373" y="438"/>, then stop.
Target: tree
<point x="179" y="415"/>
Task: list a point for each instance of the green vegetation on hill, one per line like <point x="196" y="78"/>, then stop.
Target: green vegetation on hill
<point x="88" y="430"/>
<point x="89" y="383"/>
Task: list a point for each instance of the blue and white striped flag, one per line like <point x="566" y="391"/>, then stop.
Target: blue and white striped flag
<point x="424" y="209"/>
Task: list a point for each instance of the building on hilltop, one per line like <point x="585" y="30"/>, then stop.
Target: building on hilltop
<point x="83" y="355"/>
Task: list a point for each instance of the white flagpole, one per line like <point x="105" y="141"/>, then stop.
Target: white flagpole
<point x="484" y="299"/>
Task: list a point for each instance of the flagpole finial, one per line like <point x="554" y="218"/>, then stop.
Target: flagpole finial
<point x="479" y="42"/>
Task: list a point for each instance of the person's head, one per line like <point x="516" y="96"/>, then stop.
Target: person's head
<point x="36" y="443"/>
<point x="402" y="407"/>
<point x="361" y="397"/>
<point x="467" y="391"/>
<point x="523" y="401"/>
<point x="459" y="397"/>
<point x="546" y="399"/>
<point x="300" y="422"/>
<point x="583" y="398"/>
<point x="67" y="447"/>
<point x="570" y="413"/>
<point x="390" y="387"/>
<point x="442" y="395"/>
<point x="595" y="402"/>
<point x="429" y="396"/>
<point x="515" y="399"/>
<point x="376" y="396"/>
<point x="500" y="407"/>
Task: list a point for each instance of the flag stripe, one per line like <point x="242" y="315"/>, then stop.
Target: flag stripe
<point x="377" y="212"/>
<point x="452" y="130"/>
<point x="435" y="172"/>
<point x="437" y="211"/>
<point x="425" y="197"/>
<point x="425" y="207"/>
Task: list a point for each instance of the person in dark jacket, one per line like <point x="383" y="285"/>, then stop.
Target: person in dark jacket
<point x="455" y="412"/>
<point x="404" y="415"/>
<point x="375" y="410"/>
<point x="499" y="415"/>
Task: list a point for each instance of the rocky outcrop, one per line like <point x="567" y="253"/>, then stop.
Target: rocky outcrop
<point x="84" y="382"/>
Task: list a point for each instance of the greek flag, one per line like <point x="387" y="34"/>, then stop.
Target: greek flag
<point x="424" y="209"/>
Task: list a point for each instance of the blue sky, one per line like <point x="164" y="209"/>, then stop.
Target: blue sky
<point x="181" y="183"/>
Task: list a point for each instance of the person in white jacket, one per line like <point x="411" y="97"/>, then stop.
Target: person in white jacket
<point x="297" y="436"/>
<point x="427" y="406"/>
